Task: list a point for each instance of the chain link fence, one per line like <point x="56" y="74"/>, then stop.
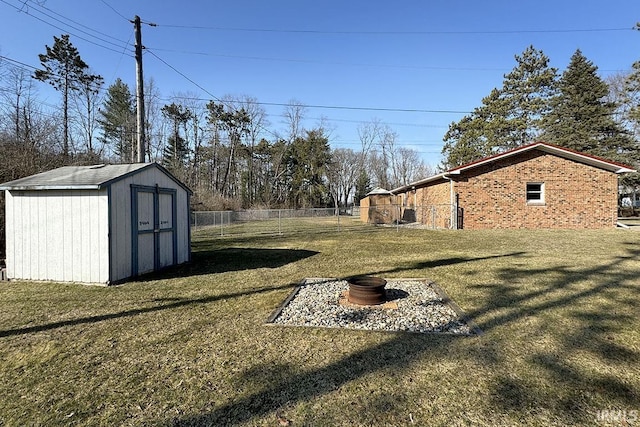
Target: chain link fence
<point x="290" y="221"/>
<point x="429" y="216"/>
<point x="277" y="221"/>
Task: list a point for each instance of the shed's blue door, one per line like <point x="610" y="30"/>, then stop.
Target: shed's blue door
<point x="154" y="240"/>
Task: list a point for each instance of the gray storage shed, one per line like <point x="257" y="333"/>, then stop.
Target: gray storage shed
<point x="96" y="224"/>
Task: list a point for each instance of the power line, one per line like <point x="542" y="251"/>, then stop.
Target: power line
<point x="63" y="29"/>
<point x="410" y="33"/>
<point x="78" y="23"/>
<point x="344" y="107"/>
<point x="25" y="66"/>
<point x="330" y="107"/>
<point x="311" y="61"/>
<point x="183" y="76"/>
<point x="257" y="102"/>
<point x="115" y="11"/>
<point x="331" y="119"/>
<point x="203" y="89"/>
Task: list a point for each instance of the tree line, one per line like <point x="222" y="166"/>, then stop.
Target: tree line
<point x="224" y="149"/>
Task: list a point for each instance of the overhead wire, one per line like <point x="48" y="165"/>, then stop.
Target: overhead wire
<point x="319" y="106"/>
<point x="382" y="32"/>
<point x="330" y="107"/>
<point x="25" y="66"/>
<point x="77" y="23"/>
<point x="263" y="103"/>
<point x="115" y="10"/>
<point x="20" y="10"/>
<point x="312" y="61"/>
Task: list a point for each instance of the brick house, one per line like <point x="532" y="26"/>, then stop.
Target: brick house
<point x="534" y="186"/>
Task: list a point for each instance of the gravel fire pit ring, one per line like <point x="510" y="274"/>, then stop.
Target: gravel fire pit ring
<point x="366" y="290"/>
<point x="419" y="306"/>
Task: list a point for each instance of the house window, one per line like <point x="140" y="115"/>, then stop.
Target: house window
<point x="535" y="193"/>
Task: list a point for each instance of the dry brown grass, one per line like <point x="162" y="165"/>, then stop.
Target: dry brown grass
<point x="189" y="347"/>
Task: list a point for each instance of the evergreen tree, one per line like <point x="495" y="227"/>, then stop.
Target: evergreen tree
<point x="582" y="119"/>
<point x="508" y="117"/>
<point x="528" y="90"/>
<point x="470" y="138"/>
<point x="363" y="186"/>
<point x="176" y="150"/>
<point x="632" y="98"/>
<point x="307" y="161"/>
<point x="65" y="70"/>
<point x="631" y="91"/>
<point x="118" y="120"/>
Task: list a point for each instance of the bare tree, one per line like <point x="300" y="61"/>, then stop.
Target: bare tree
<point x="342" y="174"/>
<point x="294" y="114"/>
<point x="258" y="122"/>
<point x="86" y="101"/>
<point x="29" y="134"/>
<point x="369" y="133"/>
<point x="154" y="127"/>
<point x="409" y="166"/>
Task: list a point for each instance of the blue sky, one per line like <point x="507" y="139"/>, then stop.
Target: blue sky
<point x="438" y="57"/>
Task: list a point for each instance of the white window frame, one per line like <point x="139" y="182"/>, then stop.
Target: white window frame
<point x="528" y="192"/>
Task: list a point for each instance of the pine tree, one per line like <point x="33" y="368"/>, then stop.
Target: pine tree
<point x="176" y="151"/>
<point x="118" y="120"/>
<point x="632" y="97"/>
<point x="508" y="117"/>
<point x="65" y="70"/>
<point x="582" y="119"/>
<point x="307" y="161"/>
<point x="363" y="186"/>
<point x="528" y="91"/>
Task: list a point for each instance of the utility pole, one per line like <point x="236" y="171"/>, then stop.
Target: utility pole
<point x="139" y="91"/>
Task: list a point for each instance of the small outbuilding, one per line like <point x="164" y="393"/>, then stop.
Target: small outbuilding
<point x="380" y="206"/>
<point x="96" y="224"/>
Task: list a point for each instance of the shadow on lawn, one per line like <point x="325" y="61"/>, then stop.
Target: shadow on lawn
<point x="288" y="386"/>
<point x="425" y="265"/>
<point x="166" y="304"/>
<point x="230" y="259"/>
<point x="566" y="389"/>
<point x="587" y="319"/>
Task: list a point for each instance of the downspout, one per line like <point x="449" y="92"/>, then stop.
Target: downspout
<point x="452" y="203"/>
<point x="415" y="197"/>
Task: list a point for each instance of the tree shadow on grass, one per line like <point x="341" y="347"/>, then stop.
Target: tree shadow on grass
<point x="443" y="262"/>
<point x="292" y="386"/>
<point x="589" y="306"/>
<point x="161" y="304"/>
<point x="555" y="292"/>
<point x="230" y="259"/>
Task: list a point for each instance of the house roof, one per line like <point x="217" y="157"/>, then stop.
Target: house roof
<point x="379" y="191"/>
<point x="566" y="153"/>
<point x="93" y="177"/>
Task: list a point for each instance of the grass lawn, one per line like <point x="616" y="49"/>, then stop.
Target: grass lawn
<point x="560" y="311"/>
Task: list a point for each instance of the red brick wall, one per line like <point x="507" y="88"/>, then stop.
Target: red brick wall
<point x="434" y="205"/>
<point x="576" y="195"/>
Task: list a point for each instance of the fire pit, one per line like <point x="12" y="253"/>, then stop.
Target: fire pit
<point x="366" y="290"/>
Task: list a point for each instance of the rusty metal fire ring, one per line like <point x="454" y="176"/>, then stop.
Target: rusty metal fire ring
<point x="366" y="290"/>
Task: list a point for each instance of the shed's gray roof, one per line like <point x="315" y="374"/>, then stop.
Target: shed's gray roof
<point x="378" y="191"/>
<point x="79" y="177"/>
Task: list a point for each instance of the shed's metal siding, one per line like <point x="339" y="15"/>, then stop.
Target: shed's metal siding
<point x="58" y="235"/>
<point x="121" y="227"/>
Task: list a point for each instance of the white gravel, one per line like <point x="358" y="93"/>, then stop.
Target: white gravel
<point x="419" y="309"/>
